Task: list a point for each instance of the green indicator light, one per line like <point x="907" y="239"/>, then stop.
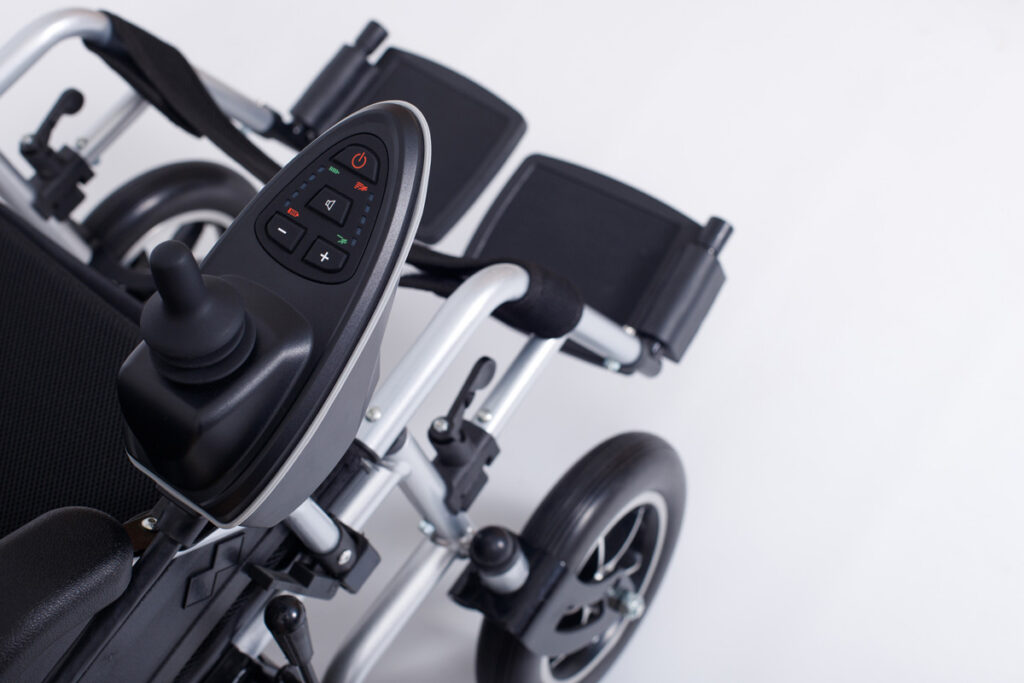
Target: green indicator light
<point x="342" y="240"/>
<point x="334" y="170"/>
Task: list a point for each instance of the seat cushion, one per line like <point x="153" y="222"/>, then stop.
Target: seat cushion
<point x="64" y="334"/>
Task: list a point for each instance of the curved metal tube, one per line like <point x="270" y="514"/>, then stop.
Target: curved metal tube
<point x="36" y="39"/>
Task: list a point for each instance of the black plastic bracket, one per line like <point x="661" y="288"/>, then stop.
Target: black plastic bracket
<point x="535" y="612"/>
<point x="463" y="448"/>
<point x="318" y="576"/>
<point x="58" y="174"/>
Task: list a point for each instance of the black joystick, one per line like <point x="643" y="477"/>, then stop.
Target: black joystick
<point x="195" y="325"/>
<point x="285" y="617"/>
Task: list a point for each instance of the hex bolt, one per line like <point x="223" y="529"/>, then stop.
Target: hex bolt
<point x="629" y="604"/>
<point x="149" y="523"/>
<point x="374" y="413"/>
<point x="440" y="425"/>
<point x="345" y="556"/>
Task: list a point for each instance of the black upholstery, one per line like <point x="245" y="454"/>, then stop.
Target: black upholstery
<point x="56" y="573"/>
<point x="65" y="333"/>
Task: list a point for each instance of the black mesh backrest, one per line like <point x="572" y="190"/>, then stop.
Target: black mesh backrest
<point x="65" y="333"/>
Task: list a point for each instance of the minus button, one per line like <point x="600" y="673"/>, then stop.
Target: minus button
<point x="284" y="232"/>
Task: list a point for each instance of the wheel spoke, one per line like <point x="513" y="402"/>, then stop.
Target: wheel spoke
<point x="610" y="566"/>
<point x="601" y="551"/>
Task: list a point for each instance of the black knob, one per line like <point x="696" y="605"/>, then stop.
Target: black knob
<point x="494" y="549"/>
<point x="285" y="617"/>
<point x="195" y="325"/>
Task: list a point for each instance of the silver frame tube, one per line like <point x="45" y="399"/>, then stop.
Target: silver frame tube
<point x="606" y="338"/>
<point x="508" y="393"/>
<point x="314" y="527"/>
<point x="33" y="41"/>
<point x="415" y="375"/>
<point x="109" y="128"/>
<point x="390" y="612"/>
<point x="426" y="491"/>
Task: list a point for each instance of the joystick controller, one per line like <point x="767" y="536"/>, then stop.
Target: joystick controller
<point x="195" y="325"/>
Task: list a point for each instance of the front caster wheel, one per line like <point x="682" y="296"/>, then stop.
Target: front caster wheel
<point x="619" y="508"/>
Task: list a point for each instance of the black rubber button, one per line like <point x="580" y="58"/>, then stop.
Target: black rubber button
<point x="284" y="232"/>
<point x="325" y="256"/>
<point x="330" y="204"/>
<point x="360" y="161"/>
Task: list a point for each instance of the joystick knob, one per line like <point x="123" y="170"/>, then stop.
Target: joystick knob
<point x="195" y="325"/>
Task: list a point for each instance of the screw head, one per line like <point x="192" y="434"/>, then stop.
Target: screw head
<point x="629" y="604"/>
<point x="345" y="556"/>
<point x="612" y="364"/>
<point x="149" y="523"/>
<point x="374" y="413"/>
<point x="485" y="416"/>
<point x="629" y="329"/>
<point x="440" y="425"/>
<point x="427" y="528"/>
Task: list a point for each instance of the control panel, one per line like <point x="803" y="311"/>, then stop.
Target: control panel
<point x="318" y="226"/>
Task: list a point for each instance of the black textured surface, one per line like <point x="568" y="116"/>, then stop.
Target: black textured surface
<point x="60" y="426"/>
<point x="55" y="574"/>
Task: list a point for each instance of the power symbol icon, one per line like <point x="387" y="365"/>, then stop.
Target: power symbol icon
<point x="358" y="160"/>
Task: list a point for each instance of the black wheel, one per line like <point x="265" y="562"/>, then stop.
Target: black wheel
<point x="193" y="202"/>
<point x="621" y="505"/>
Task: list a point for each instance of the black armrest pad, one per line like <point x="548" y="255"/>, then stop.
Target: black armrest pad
<point x="56" y="572"/>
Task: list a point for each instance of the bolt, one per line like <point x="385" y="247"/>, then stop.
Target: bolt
<point x="440" y="425"/>
<point x="149" y="523"/>
<point x="27" y="139"/>
<point x="345" y="556"/>
<point x="612" y="364"/>
<point x="629" y="329"/>
<point x="374" y="414"/>
<point x="427" y="528"/>
<point x="629" y="604"/>
<point x="485" y="416"/>
<point x="81" y="143"/>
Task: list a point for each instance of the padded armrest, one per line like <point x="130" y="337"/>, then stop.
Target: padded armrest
<point x="56" y="572"/>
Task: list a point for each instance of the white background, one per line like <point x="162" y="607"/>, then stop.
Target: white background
<point x="850" y="413"/>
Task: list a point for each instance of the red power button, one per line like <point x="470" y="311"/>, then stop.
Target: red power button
<point x="360" y="161"/>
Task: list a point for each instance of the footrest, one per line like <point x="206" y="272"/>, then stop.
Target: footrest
<point x="632" y="257"/>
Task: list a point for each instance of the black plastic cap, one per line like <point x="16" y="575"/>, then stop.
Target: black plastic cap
<point x="494" y="549"/>
<point x="372" y="36"/>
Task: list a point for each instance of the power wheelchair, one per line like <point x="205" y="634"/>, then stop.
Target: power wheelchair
<point x="194" y="450"/>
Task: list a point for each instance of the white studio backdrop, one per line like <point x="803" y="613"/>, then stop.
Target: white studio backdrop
<point x="850" y="413"/>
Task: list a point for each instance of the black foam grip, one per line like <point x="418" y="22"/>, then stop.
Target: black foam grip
<point x="56" y="573"/>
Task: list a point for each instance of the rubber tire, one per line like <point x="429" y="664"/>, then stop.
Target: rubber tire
<point x="158" y="195"/>
<point x="150" y="199"/>
<point x="566" y="524"/>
